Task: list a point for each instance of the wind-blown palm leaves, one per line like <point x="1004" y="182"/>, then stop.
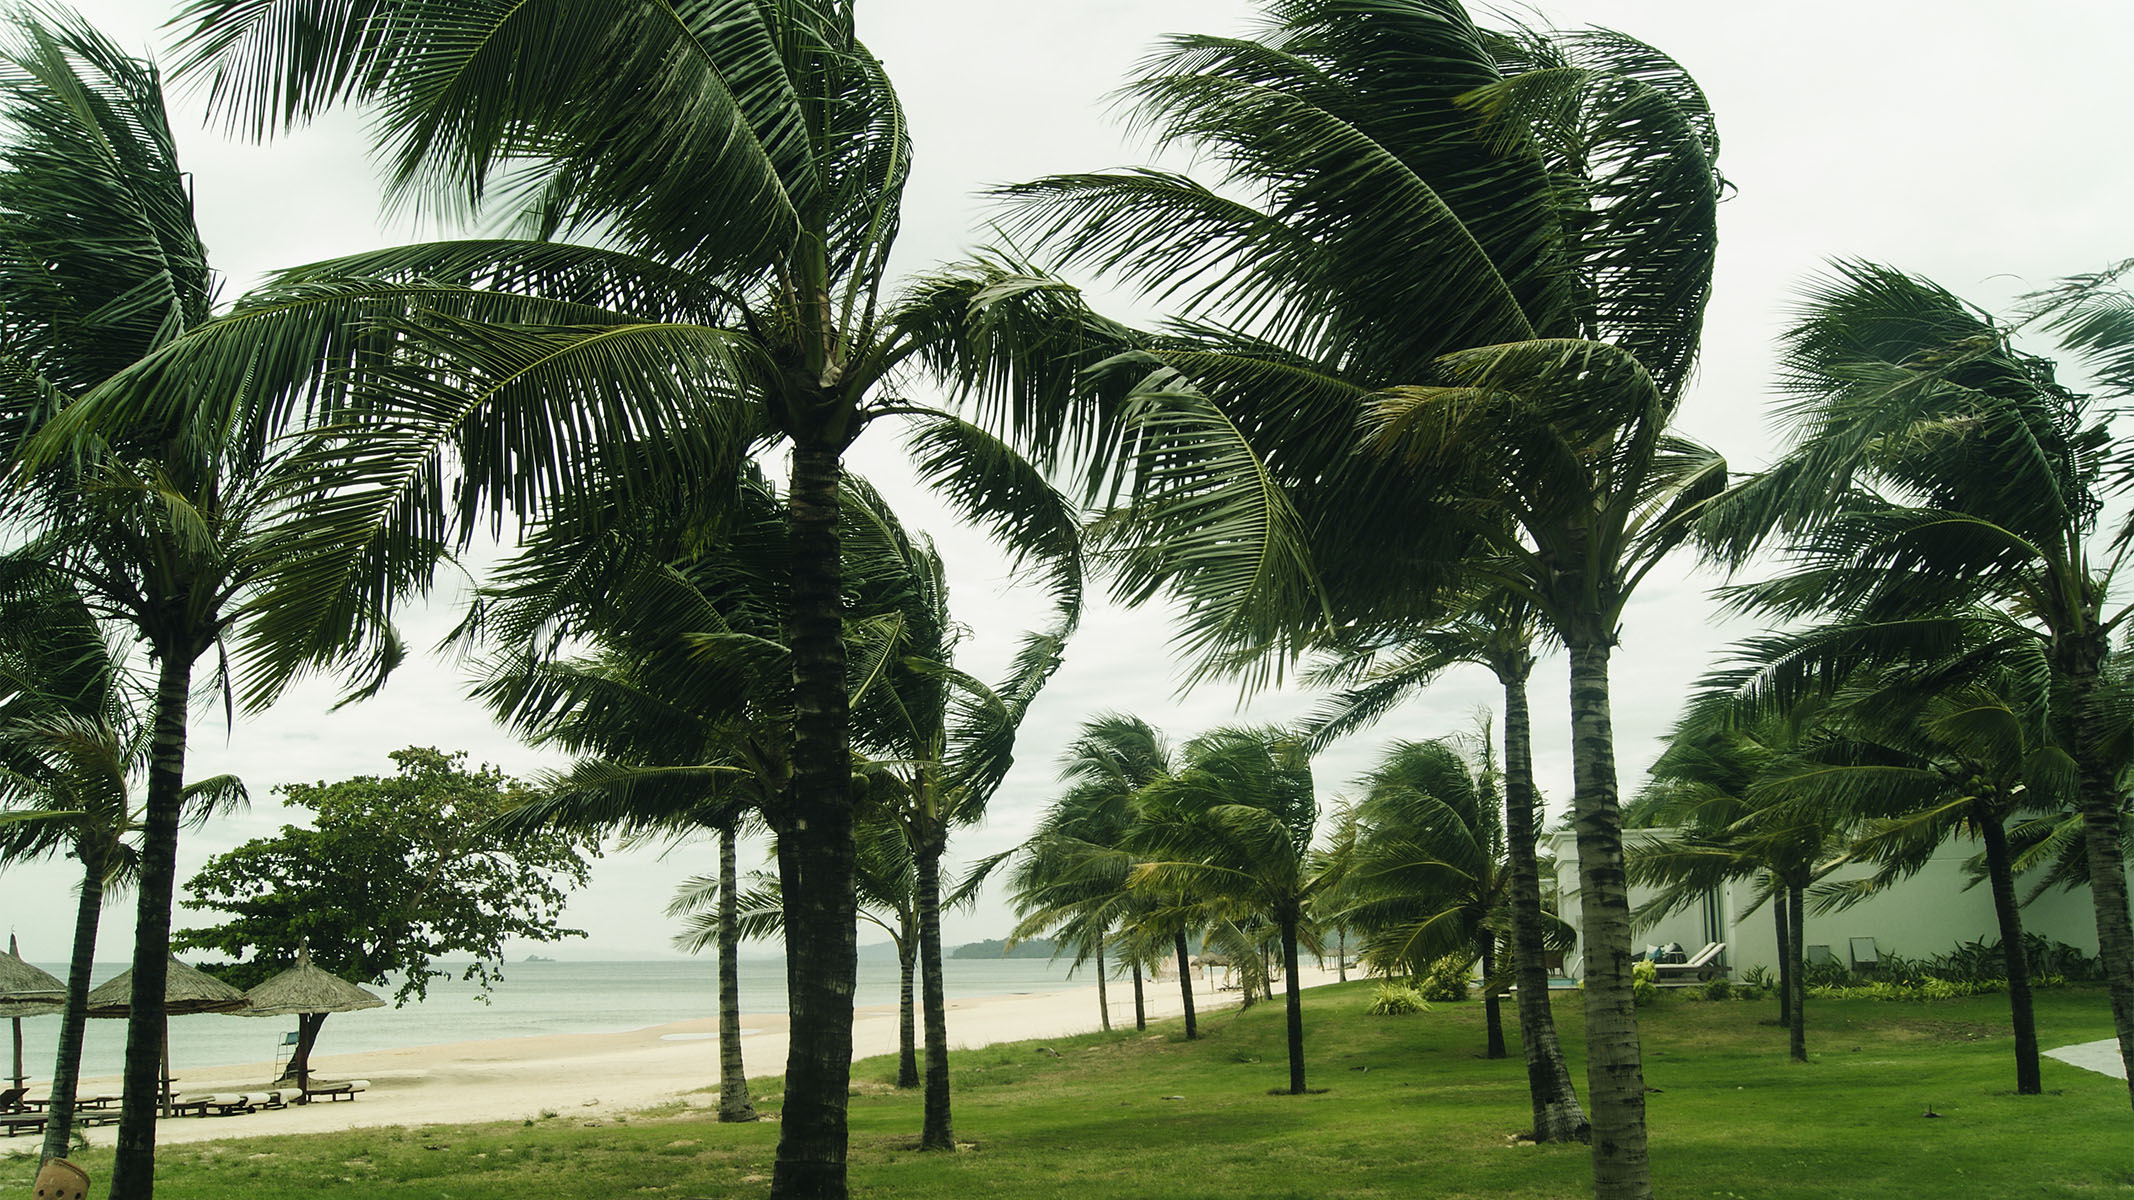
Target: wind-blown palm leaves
<point x="744" y="163"/>
<point x="1233" y="830"/>
<point x="1448" y="287"/>
<point x="1938" y="474"/>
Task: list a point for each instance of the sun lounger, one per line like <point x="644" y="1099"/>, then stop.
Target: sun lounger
<point x="345" y="1089"/>
<point x="217" y="1104"/>
<point x="16" y="1123"/>
<point x="11" y="1099"/>
<point x="1704" y="964"/>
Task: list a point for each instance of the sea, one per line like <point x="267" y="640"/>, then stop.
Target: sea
<point x="531" y="999"/>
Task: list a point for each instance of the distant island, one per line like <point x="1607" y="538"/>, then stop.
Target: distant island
<point x="537" y="958"/>
<point x="995" y="948"/>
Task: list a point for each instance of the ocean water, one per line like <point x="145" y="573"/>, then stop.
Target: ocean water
<point x="532" y="999"/>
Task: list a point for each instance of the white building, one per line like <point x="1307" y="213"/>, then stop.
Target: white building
<point x="1929" y="914"/>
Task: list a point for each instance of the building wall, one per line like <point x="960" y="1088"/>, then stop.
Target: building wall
<point x="1928" y="914"/>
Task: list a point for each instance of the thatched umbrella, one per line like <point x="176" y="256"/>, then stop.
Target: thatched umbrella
<point x="307" y="993"/>
<point x="26" y="991"/>
<point x="185" y="990"/>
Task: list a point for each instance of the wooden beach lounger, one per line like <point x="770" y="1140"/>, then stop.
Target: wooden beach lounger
<point x="219" y="1104"/>
<point x="344" y="1090"/>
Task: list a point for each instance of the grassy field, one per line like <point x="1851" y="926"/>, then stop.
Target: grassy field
<point x="1408" y="1108"/>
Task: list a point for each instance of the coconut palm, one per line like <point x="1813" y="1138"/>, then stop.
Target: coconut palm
<point x="1937" y="473"/>
<point x="72" y="747"/>
<point x="1495" y="630"/>
<point x="1233" y="829"/>
<point x="173" y="523"/>
<point x="742" y="165"/>
<point x="1480" y="258"/>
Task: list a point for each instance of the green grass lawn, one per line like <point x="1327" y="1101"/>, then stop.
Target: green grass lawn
<point x="1409" y="1108"/>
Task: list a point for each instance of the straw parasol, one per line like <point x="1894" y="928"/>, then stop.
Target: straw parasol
<point x="308" y="993"/>
<point x="26" y="991"/>
<point x="185" y="990"/>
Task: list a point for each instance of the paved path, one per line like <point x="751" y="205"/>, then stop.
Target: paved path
<point x="2101" y="1057"/>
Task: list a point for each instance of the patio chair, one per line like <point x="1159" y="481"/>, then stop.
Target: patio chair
<point x="1702" y="965"/>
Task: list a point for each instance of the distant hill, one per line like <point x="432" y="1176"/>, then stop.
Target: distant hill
<point x="995" y="948"/>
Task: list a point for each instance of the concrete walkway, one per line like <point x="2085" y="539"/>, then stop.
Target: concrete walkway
<point x="2101" y="1057"/>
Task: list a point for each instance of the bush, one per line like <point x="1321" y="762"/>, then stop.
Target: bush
<point x="1644" y="983"/>
<point x="1719" y="989"/>
<point x="1447" y="979"/>
<point x="1397" y="1000"/>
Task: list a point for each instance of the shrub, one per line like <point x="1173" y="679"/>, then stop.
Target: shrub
<point x="1719" y="989"/>
<point x="1447" y="979"/>
<point x="1644" y="983"/>
<point x="1397" y="1000"/>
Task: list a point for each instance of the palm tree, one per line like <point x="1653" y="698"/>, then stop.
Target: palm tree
<point x="1495" y="630"/>
<point x="1938" y="474"/>
<point x="1070" y="878"/>
<point x="743" y="166"/>
<point x="1483" y="259"/>
<point x="1428" y="875"/>
<point x="1233" y="829"/>
<point x="72" y="745"/>
<point x="173" y="523"/>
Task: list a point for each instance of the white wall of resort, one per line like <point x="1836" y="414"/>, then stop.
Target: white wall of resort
<point x="1926" y="915"/>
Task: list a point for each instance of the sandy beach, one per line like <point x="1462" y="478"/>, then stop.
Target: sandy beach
<point x="591" y="1077"/>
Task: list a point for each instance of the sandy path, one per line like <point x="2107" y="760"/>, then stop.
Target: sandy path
<point x="599" y="1075"/>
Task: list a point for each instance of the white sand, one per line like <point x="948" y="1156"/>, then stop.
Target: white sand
<point x="587" y="1077"/>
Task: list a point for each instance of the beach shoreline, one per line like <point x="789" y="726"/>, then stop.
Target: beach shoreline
<point x="598" y="1077"/>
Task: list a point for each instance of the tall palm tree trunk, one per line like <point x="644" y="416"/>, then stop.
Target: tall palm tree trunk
<point x="2101" y="845"/>
<point x="908" y="1008"/>
<point x="1185" y="982"/>
<point x="1103" y="1000"/>
<point x="939" y="1133"/>
<point x="1615" y="1074"/>
<point x="1557" y="1115"/>
<point x="816" y="848"/>
<point x="1141" y="1016"/>
<point x="1781" y="918"/>
<point x="1341" y="952"/>
<point x="66" y="1065"/>
<point x="1492" y="1011"/>
<point x="2000" y="872"/>
<point x="1293" y="992"/>
<point x="734" y="1104"/>
<point x="1797" y="958"/>
<point x="133" y="1168"/>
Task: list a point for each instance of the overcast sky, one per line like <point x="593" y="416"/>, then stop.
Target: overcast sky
<point x="1968" y="142"/>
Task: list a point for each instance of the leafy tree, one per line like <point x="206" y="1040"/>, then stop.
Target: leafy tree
<point x="1233" y="830"/>
<point x="1938" y="474"/>
<point x="1481" y="259"/>
<point x="393" y="873"/>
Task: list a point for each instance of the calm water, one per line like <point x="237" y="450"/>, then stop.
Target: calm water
<point x="532" y="999"/>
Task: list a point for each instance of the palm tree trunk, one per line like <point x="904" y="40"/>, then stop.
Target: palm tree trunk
<point x="1784" y="922"/>
<point x="1141" y="1016"/>
<point x="908" y="1006"/>
<point x="1557" y="1115"/>
<point x="2101" y="833"/>
<point x="1492" y="1011"/>
<point x="1341" y="948"/>
<point x="816" y="856"/>
<point x="1185" y="982"/>
<point x="133" y="1167"/>
<point x="734" y="1103"/>
<point x="1797" y="952"/>
<point x="66" y="1065"/>
<point x="939" y="1134"/>
<point x="1615" y="1074"/>
<point x="1103" y="1000"/>
<point x="2000" y="872"/>
<point x="1293" y="992"/>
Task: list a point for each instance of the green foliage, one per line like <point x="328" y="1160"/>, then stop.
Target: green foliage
<point x="392" y="873"/>
<point x="1447" y="978"/>
<point x="1644" y="983"/>
<point x="1720" y="988"/>
<point x="1397" y="1000"/>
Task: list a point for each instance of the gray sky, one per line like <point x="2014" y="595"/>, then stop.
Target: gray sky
<point x="1955" y="139"/>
